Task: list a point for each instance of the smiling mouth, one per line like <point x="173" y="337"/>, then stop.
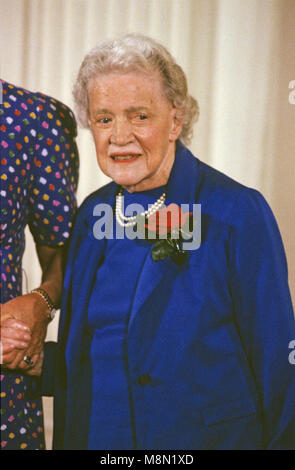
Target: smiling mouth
<point x="124" y="158"/>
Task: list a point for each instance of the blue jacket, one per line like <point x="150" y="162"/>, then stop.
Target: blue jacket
<point x="208" y="342"/>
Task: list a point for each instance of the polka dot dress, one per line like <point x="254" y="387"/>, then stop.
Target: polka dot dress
<point x="39" y="173"/>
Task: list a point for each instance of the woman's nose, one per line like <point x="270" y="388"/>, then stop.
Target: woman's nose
<point x="121" y="132"/>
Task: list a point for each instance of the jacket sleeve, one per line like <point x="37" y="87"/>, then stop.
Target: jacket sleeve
<point x="264" y="314"/>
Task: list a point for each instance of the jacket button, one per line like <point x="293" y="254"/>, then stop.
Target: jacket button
<point x="144" y="379"/>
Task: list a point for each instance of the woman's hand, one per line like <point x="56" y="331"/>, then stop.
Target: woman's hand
<point x="32" y="310"/>
<point x="36" y="369"/>
<point x="29" y="310"/>
<point x="15" y="335"/>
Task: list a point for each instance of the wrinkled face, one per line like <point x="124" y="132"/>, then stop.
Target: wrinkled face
<point x="134" y="127"/>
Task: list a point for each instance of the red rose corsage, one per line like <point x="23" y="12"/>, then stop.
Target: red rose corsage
<point x="165" y="228"/>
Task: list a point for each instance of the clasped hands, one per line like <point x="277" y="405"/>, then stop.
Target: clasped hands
<point x="23" y="329"/>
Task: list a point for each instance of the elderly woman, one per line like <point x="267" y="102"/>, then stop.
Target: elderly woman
<point x="162" y="346"/>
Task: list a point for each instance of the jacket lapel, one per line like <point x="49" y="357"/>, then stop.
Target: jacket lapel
<point x="85" y="257"/>
<point x="181" y="189"/>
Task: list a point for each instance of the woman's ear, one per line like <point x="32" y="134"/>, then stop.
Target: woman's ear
<point x="177" y="124"/>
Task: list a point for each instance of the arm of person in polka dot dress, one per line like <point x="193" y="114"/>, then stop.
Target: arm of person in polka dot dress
<point x="46" y="148"/>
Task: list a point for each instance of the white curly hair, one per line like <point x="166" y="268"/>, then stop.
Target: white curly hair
<point x="135" y="52"/>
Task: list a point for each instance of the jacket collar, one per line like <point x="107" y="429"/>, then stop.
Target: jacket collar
<point x="182" y="182"/>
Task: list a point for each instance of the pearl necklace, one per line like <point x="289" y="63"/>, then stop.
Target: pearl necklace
<point x="131" y="221"/>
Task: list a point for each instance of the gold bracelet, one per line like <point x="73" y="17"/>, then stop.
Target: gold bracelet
<point x="49" y="303"/>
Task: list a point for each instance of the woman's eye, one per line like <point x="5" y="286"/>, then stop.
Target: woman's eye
<point x="142" y="117"/>
<point x="104" y="120"/>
